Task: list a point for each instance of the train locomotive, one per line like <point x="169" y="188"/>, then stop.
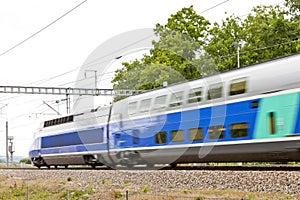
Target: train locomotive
<point x="250" y="114"/>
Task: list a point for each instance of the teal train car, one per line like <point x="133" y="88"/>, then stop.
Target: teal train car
<point x="244" y="115"/>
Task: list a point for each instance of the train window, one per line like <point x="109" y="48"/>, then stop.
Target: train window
<point x="145" y="105"/>
<point x="132" y="107"/>
<point x="177" y="136"/>
<point x="272" y="122"/>
<point x="195" y="95"/>
<point x="214" y="91"/>
<point x="195" y="134"/>
<point x="176" y="99"/>
<point x="70" y="118"/>
<point x="161" y="137"/>
<point x="160" y="102"/>
<point x="237" y="87"/>
<point x="239" y="130"/>
<point x="216" y="132"/>
<point x="66" y="119"/>
<point x="135" y="136"/>
<point x="73" y="138"/>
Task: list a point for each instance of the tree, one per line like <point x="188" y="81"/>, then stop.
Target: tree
<point x="294" y="7"/>
<point x="268" y="34"/>
<point x="173" y="56"/>
<point x="222" y="36"/>
<point x="189" y="47"/>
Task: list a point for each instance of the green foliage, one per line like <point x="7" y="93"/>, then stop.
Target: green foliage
<point x="190" y="47"/>
<point x="145" y="188"/>
<point x="173" y="57"/>
<point x="117" y="194"/>
<point x="26" y="161"/>
<point x="220" y="46"/>
<point x="199" y="197"/>
<point x="126" y="182"/>
<point x="268" y="34"/>
<point x="294" y="8"/>
<point x="69" y="178"/>
<point x="185" y="191"/>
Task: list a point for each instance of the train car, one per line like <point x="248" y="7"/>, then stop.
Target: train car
<point x="247" y="114"/>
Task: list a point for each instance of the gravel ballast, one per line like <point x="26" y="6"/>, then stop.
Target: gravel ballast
<point x="284" y="182"/>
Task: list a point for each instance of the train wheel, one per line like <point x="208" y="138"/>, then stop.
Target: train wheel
<point x="173" y="165"/>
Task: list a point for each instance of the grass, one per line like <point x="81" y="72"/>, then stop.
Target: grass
<point x="17" y="189"/>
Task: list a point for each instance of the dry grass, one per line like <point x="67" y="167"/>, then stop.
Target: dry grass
<point x="12" y="188"/>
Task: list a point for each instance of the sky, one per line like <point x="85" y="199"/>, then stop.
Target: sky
<point x="45" y="59"/>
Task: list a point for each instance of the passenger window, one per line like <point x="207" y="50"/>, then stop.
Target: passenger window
<point x="239" y="130"/>
<point x="70" y="118"/>
<point x="145" y="105"/>
<point x="195" y="95"/>
<point x="237" y="87"/>
<point x="195" y="134"/>
<point x="132" y="107"/>
<point x="272" y="122"/>
<point x="160" y="102"/>
<point x="161" y="137"/>
<point x="135" y="136"/>
<point x="216" y="132"/>
<point x="176" y="99"/>
<point x="214" y="91"/>
<point x="177" y="136"/>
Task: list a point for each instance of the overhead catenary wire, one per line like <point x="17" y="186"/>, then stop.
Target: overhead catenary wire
<point x="97" y="60"/>
<point x="48" y="79"/>
<point x="225" y="56"/>
<point x="92" y="62"/>
<point x="51" y="78"/>
<point x="214" y="6"/>
<point x="42" y="29"/>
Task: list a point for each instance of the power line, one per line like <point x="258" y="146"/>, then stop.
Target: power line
<point x="34" y="34"/>
<point x="214" y="6"/>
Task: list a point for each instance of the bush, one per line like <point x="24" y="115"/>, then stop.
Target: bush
<point x="26" y="161"/>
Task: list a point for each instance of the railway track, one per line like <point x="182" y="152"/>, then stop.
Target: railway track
<point x="196" y="168"/>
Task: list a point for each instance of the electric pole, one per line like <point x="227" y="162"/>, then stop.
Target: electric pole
<point x="6" y="139"/>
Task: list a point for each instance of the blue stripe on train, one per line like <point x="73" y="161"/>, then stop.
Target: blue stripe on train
<point x="141" y="132"/>
<point x="74" y="148"/>
<point x="73" y="138"/>
<point x="226" y="115"/>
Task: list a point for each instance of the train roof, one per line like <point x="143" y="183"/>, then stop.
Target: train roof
<point x="227" y="73"/>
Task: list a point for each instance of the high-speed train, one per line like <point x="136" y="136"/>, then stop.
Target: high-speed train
<point x="248" y="114"/>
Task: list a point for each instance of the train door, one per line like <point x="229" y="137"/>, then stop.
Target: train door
<point x="126" y="139"/>
<point x="276" y="116"/>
